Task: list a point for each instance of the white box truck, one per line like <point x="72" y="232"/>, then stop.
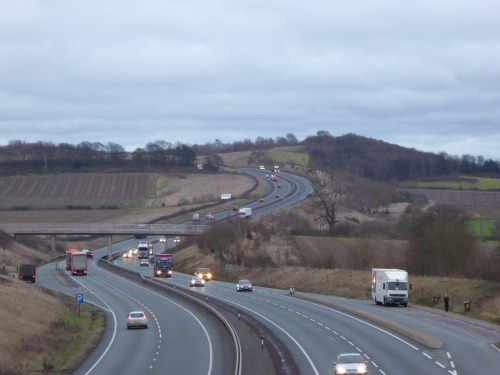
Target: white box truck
<point x="245" y="212"/>
<point x="143" y="250"/>
<point x="390" y="286"/>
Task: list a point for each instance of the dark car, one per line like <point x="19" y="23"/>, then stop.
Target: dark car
<point x="90" y="254"/>
<point x="244" y="285"/>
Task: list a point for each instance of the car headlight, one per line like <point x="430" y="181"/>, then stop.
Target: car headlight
<point x="209" y="275"/>
<point x="340" y="370"/>
<point x="362" y="369"/>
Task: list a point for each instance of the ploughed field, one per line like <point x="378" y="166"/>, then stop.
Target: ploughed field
<point x="124" y="190"/>
<point x="485" y="203"/>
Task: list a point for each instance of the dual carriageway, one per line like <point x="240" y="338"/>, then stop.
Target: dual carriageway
<point x="184" y="339"/>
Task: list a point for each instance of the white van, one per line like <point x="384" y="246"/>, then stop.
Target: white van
<point x="196" y="217"/>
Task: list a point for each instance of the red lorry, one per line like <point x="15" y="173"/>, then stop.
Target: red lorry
<point x="68" y="258"/>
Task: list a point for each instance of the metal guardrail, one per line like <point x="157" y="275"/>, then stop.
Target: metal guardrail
<point x="95" y="228"/>
<point x="177" y="292"/>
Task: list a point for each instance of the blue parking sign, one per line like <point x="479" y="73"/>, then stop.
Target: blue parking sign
<point x="79" y="298"/>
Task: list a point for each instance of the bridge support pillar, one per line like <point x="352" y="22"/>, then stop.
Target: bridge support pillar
<point x="53" y="244"/>
<point x="110" y="246"/>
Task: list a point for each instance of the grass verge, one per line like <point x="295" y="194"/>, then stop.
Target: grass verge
<point x="43" y="331"/>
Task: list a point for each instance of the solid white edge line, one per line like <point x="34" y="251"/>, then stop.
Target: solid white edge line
<point x="114" y="330"/>
<point x="183" y="308"/>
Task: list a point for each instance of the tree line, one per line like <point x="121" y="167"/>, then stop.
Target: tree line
<point x="21" y="156"/>
<point x="382" y="161"/>
<point x="361" y="156"/>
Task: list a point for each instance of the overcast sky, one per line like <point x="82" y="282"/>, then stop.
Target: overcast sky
<point x="421" y="74"/>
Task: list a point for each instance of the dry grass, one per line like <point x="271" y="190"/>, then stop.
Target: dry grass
<point x="199" y="188"/>
<point x="237" y="159"/>
<point x="35" y="327"/>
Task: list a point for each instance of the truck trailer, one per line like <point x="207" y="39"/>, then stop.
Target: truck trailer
<point x="68" y="258"/>
<point x="78" y="263"/>
<point x="245" y="213"/>
<point x="163" y="265"/>
<point x="390" y="286"/>
<point x="27" y="272"/>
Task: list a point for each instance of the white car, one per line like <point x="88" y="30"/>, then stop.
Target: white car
<point x="144" y="262"/>
<point x="137" y="319"/>
<point x="350" y="364"/>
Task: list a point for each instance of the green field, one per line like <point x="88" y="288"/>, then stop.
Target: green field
<point x="482" y="227"/>
<point x="290" y="155"/>
<point x="462" y="182"/>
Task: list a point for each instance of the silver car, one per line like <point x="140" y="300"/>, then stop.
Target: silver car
<point x="350" y="364"/>
<point x="137" y="319"/>
<point x="197" y="282"/>
<point x="244" y="285"/>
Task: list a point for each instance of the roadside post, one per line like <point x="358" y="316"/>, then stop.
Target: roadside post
<point x="79" y="300"/>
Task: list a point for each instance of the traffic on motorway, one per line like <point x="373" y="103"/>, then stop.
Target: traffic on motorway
<point x="315" y="331"/>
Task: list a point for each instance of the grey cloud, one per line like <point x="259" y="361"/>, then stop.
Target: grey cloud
<point x="419" y="74"/>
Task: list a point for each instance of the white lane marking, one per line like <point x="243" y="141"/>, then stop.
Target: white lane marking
<point x="210" y="366"/>
<point x="280" y="328"/>
<point x="364" y="322"/>
<point x="114" y="329"/>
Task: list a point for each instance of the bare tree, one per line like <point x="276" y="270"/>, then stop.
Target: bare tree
<point x="326" y="192"/>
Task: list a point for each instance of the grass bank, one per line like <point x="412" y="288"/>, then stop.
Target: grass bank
<point x="44" y="331"/>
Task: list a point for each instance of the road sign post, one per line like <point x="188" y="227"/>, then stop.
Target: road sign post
<point x="79" y="300"/>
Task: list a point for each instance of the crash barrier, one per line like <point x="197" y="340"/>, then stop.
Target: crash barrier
<point x="180" y="294"/>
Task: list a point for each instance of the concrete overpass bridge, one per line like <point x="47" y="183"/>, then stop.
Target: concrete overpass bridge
<point x="103" y="229"/>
